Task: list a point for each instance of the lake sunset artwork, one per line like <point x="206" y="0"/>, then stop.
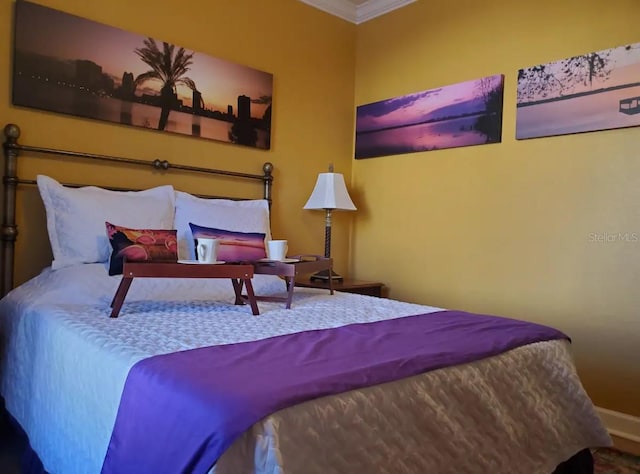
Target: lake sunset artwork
<point x="458" y="115"/>
<point x="590" y="92"/>
<point x="71" y="65"/>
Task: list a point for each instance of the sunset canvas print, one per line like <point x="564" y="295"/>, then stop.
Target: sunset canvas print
<point x="463" y="114"/>
<point x="593" y="91"/>
<point x="71" y="65"/>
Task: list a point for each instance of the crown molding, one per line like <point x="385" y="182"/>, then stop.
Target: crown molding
<point x="357" y="13"/>
<point x="340" y="8"/>
<point x="374" y="8"/>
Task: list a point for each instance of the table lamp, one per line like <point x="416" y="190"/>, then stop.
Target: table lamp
<point x="330" y="193"/>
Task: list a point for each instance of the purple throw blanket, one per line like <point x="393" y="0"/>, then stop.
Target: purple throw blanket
<point x="180" y="411"/>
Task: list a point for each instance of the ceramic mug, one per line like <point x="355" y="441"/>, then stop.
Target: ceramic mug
<point x="277" y="249"/>
<point x="207" y="250"/>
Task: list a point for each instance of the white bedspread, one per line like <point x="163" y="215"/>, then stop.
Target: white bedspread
<point x="64" y="363"/>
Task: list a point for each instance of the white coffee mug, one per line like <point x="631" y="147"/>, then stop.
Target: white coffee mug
<point x="277" y="249"/>
<point x="207" y="250"/>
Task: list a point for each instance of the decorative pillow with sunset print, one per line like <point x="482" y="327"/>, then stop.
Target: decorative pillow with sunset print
<point x="140" y="245"/>
<point x="233" y="246"/>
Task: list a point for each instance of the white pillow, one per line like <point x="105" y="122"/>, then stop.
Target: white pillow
<point x="236" y="216"/>
<point x="76" y="217"/>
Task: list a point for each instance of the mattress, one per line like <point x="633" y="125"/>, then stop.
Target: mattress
<point x="64" y="364"/>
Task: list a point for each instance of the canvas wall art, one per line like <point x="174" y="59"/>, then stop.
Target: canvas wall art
<point x="71" y="65"/>
<point x="593" y="91"/>
<point x="463" y="114"/>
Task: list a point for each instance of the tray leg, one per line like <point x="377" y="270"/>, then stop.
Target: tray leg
<point x="290" y="285"/>
<point x="120" y="295"/>
<point x="251" y="297"/>
<point x="330" y="279"/>
<point x="237" y="288"/>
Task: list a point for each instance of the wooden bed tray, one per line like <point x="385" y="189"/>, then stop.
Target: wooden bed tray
<point x="239" y="274"/>
<point x="289" y="271"/>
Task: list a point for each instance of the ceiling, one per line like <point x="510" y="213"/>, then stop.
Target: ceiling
<point x="357" y="11"/>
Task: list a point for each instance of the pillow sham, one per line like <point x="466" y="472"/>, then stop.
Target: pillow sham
<point x="140" y="245"/>
<point x="235" y="216"/>
<point x="76" y="217"/>
<point x="234" y="246"/>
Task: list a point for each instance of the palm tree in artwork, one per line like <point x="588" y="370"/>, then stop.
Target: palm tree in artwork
<point x="168" y="66"/>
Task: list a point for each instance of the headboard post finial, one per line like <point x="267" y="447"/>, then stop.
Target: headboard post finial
<point x="9" y="228"/>
<point x="267" y="168"/>
<point x="11" y="133"/>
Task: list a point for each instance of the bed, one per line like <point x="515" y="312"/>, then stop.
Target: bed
<point x="337" y="384"/>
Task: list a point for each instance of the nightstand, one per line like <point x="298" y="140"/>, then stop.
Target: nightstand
<point x="350" y="286"/>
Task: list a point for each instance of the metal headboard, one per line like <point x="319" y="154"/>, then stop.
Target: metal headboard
<point x="12" y="150"/>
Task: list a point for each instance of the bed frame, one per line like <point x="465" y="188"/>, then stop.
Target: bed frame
<point x="12" y="149"/>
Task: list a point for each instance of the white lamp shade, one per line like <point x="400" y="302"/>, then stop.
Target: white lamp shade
<point x="330" y="193"/>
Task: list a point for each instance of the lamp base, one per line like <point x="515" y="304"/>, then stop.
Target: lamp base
<point x="324" y="275"/>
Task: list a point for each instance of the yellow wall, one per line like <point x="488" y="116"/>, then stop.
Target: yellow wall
<point x="311" y="55"/>
<point x="504" y="228"/>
